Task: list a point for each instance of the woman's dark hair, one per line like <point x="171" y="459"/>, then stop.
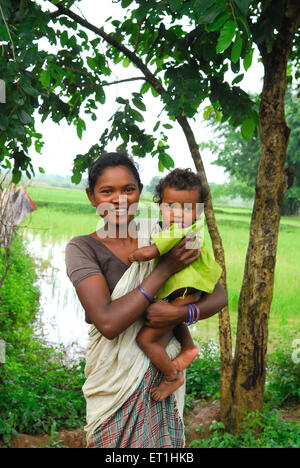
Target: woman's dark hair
<point x="181" y="179"/>
<point x="111" y="160"/>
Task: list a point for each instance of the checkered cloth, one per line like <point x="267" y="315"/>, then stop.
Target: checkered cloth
<point x="142" y="422"/>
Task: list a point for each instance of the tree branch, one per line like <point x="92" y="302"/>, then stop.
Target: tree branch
<point x="100" y="85"/>
<point x="149" y="77"/>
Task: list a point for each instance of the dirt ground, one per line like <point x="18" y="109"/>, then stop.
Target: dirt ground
<point x="202" y="413"/>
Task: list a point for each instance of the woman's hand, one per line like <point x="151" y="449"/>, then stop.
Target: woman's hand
<point x="180" y="256"/>
<point x="162" y="314"/>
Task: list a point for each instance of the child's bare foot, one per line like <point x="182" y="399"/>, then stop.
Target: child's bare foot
<point x="185" y="358"/>
<point x="166" y="388"/>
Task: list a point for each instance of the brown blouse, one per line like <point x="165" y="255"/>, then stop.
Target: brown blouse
<point x="86" y="256"/>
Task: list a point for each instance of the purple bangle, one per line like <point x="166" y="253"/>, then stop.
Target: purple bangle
<point x="198" y="313"/>
<point x="192" y="317"/>
<point x="145" y="294"/>
<point x="190" y="314"/>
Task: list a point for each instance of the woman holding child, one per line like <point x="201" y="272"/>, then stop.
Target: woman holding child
<point x="134" y="363"/>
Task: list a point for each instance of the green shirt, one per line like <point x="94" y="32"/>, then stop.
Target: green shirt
<point x="203" y="274"/>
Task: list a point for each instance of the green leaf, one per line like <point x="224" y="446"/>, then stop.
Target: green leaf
<point x="156" y="126"/>
<point x="76" y="177"/>
<point x="91" y="63"/>
<point x="208" y="11"/>
<point x="168" y="126"/>
<point x="154" y="92"/>
<point x="238" y="79"/>
<point x="25" y="118"/>
<point x="145" y="87"/>
<point x="166" y="160"/>
<point x="236" y="49"/>
<point x="226" y="36"/>
<point x="137" y="116"/>
<point x="175" y="5"/>
<point x="64" y="38"/>
<point x="248" y="128"/>
<point x="126" y="3"/>
<point x="16" y="177"/>
<point x="248" y="59"/>
<point x="80" y="126"/>
<point x="42" y="171"/>
<point x="243" y="5"/>
<point x="120" y="100"/>
<point x="44" y="78"/>
<point x="161" y="167"/>
<point x="139" y="104"/>
<point x="100" y="95"/>
<point x="219" y="21"/>
<point x="244" y="24"/>
<point x="126" y="62"/>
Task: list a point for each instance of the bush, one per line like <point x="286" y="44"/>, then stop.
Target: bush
<point x="38" y="389"/>
<point x="18" y="295"/>
<point x="283" y="378"/>
<point x="203" y="374"/>
<point x="275" y="433"/>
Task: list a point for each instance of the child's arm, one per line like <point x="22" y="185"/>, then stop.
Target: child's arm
<point x="144" y="253"/>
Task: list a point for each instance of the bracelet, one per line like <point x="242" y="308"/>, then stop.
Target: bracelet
<point x="145" y="294"/>
<point x="198" y="313"/>
<point x="191" y="314"/>
<point x="192" y="308"/>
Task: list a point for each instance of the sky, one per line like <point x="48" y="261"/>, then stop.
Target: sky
<point x="62" y="143"/>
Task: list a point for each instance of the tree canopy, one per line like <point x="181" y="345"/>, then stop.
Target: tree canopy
<point x="55" y="62"/>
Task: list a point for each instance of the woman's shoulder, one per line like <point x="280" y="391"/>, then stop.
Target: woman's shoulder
<point x="86" y="245"/>
<point x="80" y="240"/>
<point x="86" y="241"/>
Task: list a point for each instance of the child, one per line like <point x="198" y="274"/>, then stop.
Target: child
<point x="179" y="194"/>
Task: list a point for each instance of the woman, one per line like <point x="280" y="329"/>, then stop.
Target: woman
<point x="115" y="295"/>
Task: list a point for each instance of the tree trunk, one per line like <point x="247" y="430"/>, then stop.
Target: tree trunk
<point x="257" y="288"/>
<point x="225" y="336"/>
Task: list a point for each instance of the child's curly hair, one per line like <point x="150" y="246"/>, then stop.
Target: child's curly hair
<point x="181" y="179"/>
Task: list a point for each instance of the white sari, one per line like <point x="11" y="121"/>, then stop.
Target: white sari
<point x="115" y="368"/>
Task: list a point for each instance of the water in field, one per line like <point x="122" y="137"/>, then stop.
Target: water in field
<point x="61" y="317"/>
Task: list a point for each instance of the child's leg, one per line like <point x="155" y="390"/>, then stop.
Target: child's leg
<point x="188" y="349"/>
<point x="151" y="342"/>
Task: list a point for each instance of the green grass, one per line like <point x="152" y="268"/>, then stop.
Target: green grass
<point x="64" y="213"/>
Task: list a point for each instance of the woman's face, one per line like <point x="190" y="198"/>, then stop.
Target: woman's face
<point x="116" y="194"/>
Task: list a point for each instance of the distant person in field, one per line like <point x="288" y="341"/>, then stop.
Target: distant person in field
<point x="115" y="296"/>
<point x="181" y="199"/>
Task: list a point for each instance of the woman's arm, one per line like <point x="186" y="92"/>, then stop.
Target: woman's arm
<point x="161" y="314"/>
<point x="113" y="317"/>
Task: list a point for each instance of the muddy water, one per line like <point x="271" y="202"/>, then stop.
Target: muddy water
<point x="61" y="316"/>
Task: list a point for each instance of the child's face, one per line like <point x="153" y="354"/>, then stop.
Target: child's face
<point x="179" y="206"/>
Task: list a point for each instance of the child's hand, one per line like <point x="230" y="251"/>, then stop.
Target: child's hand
<point x="144" y="254"/>
<point x="131" y="257"/>
<point x="180" y="256"/>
